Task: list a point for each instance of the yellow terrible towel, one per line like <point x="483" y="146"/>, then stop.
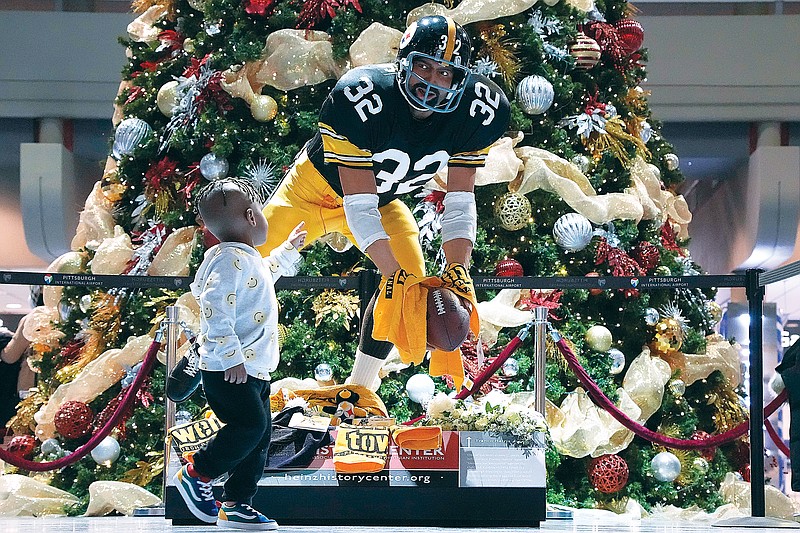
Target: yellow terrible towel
<point x="368" y="403"/>
<point x="360" y="449"/>
<point x="417" y="437"/>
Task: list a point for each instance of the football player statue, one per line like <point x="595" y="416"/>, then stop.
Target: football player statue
<point x="384" y="131"/>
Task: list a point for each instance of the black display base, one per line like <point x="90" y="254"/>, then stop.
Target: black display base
<point x="389" y="506"/>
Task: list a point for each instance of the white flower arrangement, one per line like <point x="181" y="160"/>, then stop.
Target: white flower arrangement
<point x="508" y="415"/>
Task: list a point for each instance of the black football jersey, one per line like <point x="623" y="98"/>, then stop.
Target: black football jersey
<point x="366" y="122"/>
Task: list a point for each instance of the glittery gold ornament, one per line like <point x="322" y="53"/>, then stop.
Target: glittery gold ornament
<point x="167" y="97"/>
<point x="669" y="335"/>
<point x="599" y="338"/>
<point x="513" y="210"/>
<point x="263" y="107"/>
<point x="714" y="311"/>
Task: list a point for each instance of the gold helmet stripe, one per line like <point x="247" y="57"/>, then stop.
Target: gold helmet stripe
<point x="451" y="39"/>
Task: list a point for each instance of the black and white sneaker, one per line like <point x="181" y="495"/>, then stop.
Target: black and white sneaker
<point x="185" y="377"/>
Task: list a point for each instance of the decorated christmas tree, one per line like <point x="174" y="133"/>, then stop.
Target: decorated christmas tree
<point x="583" y="184"/>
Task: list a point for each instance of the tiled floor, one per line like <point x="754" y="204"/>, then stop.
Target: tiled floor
<point x="585" y="523"/>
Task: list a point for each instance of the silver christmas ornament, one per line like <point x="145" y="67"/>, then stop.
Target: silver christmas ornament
<point x="130" y="134"/>
<point x="617" y="361"/>
<point x="651" y="316"/>
<point x="212" y="28"/>
<point x="677" y="387"/>
<point x="420" y="388"/>
<point x="666" y="466"/>
<point x="323" y="372"/>
<point x="182" y="417"/>
<point x="85" y="303"/>
<point x="106" y="452"/>
<point x="582" y="162"/>
<point x="510" y="368"/>
<point x="671" y="161"/>
<point x="535" y="94"/>
<point x="51" y="447"/>
<point x="646" y="131"/>
<point x="213" y="167"/>
<point x="573" y="232"/>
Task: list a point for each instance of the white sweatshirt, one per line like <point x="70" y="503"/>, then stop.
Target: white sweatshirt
<point x="234" y="287"/>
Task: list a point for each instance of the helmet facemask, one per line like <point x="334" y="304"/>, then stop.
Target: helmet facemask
<point x="434" y="97"/>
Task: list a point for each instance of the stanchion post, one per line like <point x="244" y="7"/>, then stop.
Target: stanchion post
<point x="540" y="356"/>
<point x="755" y="302"/>
<point x="170" y="349"/>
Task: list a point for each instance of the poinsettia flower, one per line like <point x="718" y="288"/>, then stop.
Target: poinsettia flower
<point x="259" y="7"/>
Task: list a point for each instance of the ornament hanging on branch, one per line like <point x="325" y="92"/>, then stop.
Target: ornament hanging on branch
<point x="599" y="338"/>
<point x="22" y="446"/>
<point x="73" y="420"/>
<point x="666" y="466"/>
<point x="668" y="336"/>
<point x="513" y="210"/>
<point x="586" y="52"/>
<point x="631" y="35"/>
<point x="130" y="134"/>
<point x="608" y="473"/>
<point x="535" y="94"/>
<point x="509" y="268"/>
<point x="573" y="232"/>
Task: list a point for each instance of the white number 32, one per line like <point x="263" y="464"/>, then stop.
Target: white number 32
<point x="487" y="107"/>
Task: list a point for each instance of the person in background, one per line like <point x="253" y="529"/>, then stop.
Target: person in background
<point x="15" y="374"/>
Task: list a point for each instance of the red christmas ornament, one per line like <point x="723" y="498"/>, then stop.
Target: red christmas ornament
<point x="608" y="473"/>
<point x="73" y="420"/>
<point x="263" y="8"/>
<point x="594" y="292"/>
<point x="620" y="263"/>
<point x="509" y="268"/>
<point x="22" y="446"/>
<point x="631" y="35"/>
<point x="706" y="453"/>
<point x="647" y="255"/>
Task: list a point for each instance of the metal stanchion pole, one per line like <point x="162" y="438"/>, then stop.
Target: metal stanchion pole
<point x="540" y="356"/>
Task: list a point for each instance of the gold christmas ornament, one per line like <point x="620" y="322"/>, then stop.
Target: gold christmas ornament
<point x="714" y="311"/>
<point x="513" y="210"/>
<point x="263" y="107"/>
<point x="188" y="45"/>
<point x="669" y="335"/>
<point x="599" y="338"/>
<point x="167" y="97"/>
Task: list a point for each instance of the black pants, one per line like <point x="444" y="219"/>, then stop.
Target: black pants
<point x="240" y="447"/>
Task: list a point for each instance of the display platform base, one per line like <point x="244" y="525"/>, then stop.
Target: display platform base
<point x="422" y="506"/>
<point x="474" y="479"/>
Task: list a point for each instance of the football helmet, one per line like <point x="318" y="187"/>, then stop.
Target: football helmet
<point x="440" y="39"/>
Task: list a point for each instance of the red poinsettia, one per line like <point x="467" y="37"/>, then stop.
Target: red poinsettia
<point x="160" y="173"/>
<point x="315" y="11"/>
<point x="171" y="41"/>
<point x="262" y="8"/>
<point x="213" y="93"/>
<point x="134" y="93"/>
<point x="669" y="239"/>
<point x="647" y="255"/>
<point x="541" y="299"/>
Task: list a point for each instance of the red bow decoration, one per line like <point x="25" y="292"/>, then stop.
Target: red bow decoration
<point x="647" y="255"/>
<point x="315" y="11"/>
<point x="263" y="8"/>
<point x="540" y="299"/>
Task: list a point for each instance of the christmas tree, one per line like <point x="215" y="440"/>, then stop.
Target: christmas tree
<point x="583" y="184"/>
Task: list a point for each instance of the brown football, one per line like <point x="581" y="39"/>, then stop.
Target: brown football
<point x="448" y="320"/>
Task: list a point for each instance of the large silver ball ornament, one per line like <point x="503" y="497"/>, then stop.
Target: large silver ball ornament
<point x="510" y="368"/>
<point x="535" y="94"/>
<point x="130" y="134"/>
<point x="651" y="316"/>
<point x="582" y="162"/>
<point x="213" y="167"/>
<point x="666" y="466"/>
<point x="646" y="132"/>
<point x="617" y="361"/>
<point x="106" y="452"/>
<point x="573" y="232"/>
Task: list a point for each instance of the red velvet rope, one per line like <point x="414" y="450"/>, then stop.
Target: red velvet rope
<point x="144" y="371"/>
<point x="773" y="434"/>
<point x="603" y="401"/>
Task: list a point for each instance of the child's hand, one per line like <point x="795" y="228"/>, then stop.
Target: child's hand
<point x="297" y="237"/>
<point x="236" y="374"/>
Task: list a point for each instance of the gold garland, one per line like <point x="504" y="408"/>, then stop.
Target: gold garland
<point x="145" y="471"/>
<point x="336" y="304"/>
<point x="612" y="140"/>
<point x="500" y="51"/>
<point x="23" y="423"/>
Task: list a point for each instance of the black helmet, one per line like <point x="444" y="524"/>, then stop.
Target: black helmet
<point x="440" y="39"/>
